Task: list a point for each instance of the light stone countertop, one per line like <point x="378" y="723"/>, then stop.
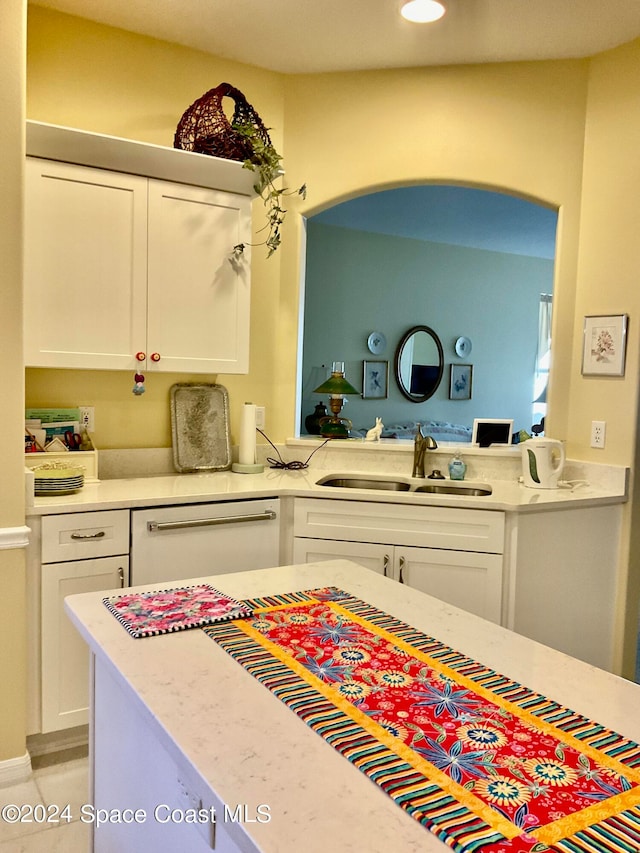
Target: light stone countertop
<point x="249" y="748"/>
<point x="588" y="487"/>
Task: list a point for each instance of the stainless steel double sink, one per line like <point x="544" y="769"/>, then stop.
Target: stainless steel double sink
<point x="433" y="487"/>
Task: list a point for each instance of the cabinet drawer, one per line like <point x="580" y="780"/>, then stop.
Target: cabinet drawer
<point x="80" y="535"/>
<point x="395" y="524"/>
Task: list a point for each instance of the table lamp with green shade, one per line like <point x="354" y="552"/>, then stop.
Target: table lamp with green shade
<point x="336" y="386"/>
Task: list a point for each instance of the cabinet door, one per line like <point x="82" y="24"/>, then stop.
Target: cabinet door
<point x="198" y="295"/>
<point x="65" y="655"/>
<point x="85" y="266"/>
<point x="375" y="557"/>
<point x="465" y="579"/>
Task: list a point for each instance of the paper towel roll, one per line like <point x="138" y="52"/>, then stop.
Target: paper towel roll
<point x="247" y="448"/>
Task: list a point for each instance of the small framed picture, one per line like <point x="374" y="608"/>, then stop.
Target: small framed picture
<point x="460" y="377"/>
<point x="375" y="380"/>
<point x="605" y="345"/>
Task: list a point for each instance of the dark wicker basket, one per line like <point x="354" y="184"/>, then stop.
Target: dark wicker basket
<point x="205" y="128"/>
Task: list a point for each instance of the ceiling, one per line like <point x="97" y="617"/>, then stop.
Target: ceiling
<point x="309" y="36"/>
<point x="461" y="216"/>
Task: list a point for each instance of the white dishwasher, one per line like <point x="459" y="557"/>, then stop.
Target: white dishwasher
<point x="196" y="540"/>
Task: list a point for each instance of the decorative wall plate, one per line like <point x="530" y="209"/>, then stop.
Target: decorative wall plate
<point x="463" y="347"/>
<point x="376" y="343"/>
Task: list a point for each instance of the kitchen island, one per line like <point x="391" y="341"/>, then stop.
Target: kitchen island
<point x="178" y="724"/>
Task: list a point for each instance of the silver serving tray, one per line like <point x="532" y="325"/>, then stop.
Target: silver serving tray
<point x="200" y="427"/>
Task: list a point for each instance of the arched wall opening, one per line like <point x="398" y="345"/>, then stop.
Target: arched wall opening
<point x="470" y="262"/>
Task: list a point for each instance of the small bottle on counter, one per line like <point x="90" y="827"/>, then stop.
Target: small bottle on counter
<point x="457" y="467"/>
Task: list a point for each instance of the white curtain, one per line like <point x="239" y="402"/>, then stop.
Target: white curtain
<point x="543" y="357"/>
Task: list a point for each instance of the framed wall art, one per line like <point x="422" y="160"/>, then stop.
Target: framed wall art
<point x="460" y="379"/>
<point x="604" y="345"/>
<point x="375" y="380"/>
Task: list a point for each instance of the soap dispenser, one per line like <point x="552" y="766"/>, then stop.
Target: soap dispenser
<point x="457" y="467"/>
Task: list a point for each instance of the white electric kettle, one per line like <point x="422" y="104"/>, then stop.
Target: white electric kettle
<point x="542" y="461"/>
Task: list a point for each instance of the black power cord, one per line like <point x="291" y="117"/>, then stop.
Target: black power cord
<point x="279" y="463"/>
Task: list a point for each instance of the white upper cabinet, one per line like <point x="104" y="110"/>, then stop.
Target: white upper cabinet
<point x="198" y="298"/>
<point x="128" y="272"/>
<point x="85" y="266"/>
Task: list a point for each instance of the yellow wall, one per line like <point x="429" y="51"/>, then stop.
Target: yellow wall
<point x="609" y="259"/>
<point x="528" y="128"/>
<point x="12" y="578"/>
<point x="109" y="81"/>
<point x="518" y="127"/>
<point x="608" y="271"/>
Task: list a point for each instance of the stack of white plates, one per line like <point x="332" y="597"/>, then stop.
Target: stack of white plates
<point x="57" y="481"/>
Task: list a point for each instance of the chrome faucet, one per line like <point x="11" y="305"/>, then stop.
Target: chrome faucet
<point x="421" y="444"/>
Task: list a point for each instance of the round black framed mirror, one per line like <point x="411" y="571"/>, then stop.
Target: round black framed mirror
<point x="419" y="363"/>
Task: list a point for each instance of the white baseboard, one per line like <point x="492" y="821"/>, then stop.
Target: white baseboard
<point x="15" y="770"/>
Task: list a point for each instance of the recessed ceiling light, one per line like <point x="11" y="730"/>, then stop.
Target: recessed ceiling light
<point x="422" y="11"/>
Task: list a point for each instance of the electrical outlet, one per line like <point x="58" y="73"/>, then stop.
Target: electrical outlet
<point x="598" y="430"/>
<point x="87" y="418"/>
<point x="260" y="417"/>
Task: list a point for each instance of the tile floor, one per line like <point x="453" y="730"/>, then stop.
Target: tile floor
<point x="65" y="781"/>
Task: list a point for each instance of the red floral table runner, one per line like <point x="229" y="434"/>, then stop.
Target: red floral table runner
<point x="481" y="761"/>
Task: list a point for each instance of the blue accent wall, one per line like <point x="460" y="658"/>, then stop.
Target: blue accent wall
<point x="358" y="282"/>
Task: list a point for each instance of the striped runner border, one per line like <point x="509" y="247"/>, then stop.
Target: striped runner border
<point x="449" y="820"/>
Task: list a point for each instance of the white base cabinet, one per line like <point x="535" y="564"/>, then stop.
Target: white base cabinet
<point x="93" y="553"/>
<point x="468" y="580"/>
<point x="472" y="581"/>
<point x="107" y="550"/>
<point x="134" y="772"/>
<point x="65" y="657"/>
<point x="466" y="570"/>
<point x="378" y="558"/>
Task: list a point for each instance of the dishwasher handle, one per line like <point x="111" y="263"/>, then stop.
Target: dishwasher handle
<point x="155" y="526"/>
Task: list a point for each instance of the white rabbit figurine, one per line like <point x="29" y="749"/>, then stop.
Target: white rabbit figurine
<point x="375" y="432"/>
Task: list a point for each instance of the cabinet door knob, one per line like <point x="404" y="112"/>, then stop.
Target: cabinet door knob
<point x="385" y="564"/>
<point x="140" y="356"/>
<point x="121" y="576"/>
<point x="402" y="562"/>
<point x="155" y="356"/>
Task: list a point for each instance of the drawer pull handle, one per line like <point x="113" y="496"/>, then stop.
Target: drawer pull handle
<point x="82" y="536"/>
<point x="121" y="576"/>
<point x="154" y="526"/>
<point x="402" y="565"/>
<point x="385" y="564"/>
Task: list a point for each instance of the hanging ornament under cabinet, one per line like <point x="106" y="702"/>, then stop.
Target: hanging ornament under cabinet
<point x="138" y="378"/>
<point x="138" y="387"/>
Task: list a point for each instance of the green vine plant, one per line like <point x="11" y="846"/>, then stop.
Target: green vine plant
<point x="266" y="163"/>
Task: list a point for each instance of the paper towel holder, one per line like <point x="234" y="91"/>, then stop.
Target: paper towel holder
<point x="246" y="468"/>
<point x="247" y="434"/>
